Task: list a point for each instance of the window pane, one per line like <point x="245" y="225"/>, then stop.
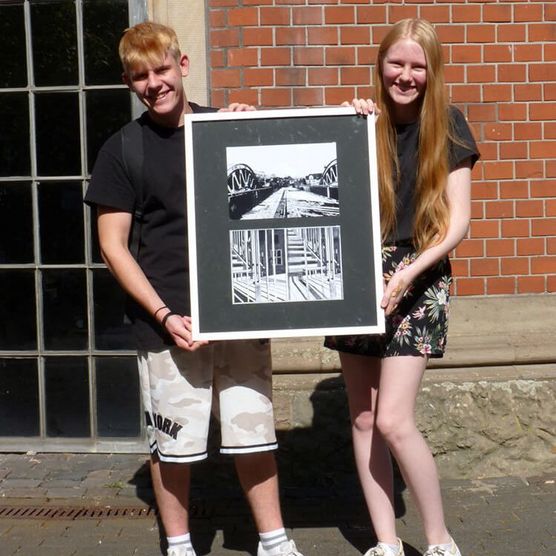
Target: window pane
<point x="61" y="222"/>
<point x="14" y="138"/>
<point x="58" y="143"/>
<point x="67" y="397"/>
<point x="112" y="328"/>
<point x="54" y="36"/>
<point x="103" y="23"/>
<point x="12" y="46"/>
<point x="18" y="326"/>
<point x="16" y="223"/>
<point x="107" y="112"/>
<point x="118" y="408"/>
<point x="19" y="398"/>
<point x="65" y="309"/>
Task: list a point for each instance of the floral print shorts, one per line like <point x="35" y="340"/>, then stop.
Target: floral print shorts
<point x="420" y="324"/>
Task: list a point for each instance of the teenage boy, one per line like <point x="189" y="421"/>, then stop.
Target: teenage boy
<point x="180" y="378"/>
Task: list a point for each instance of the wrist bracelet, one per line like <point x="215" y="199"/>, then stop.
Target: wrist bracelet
<point x="166" y="317"/>
<point x="159" y="309"/>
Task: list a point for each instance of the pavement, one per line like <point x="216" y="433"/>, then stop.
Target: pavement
<point x="102" y="504"/>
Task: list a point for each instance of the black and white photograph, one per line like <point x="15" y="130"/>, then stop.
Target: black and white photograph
<point x="286" y="264"/>
<point x="282" y="181"/>
<point x="283" y="224"/>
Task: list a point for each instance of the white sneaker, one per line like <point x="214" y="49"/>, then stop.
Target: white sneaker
<point x="180" y="551"/>
<point x="382" y="549"/>
<point x="287" y="548"/>
<point x="453" y="550"/>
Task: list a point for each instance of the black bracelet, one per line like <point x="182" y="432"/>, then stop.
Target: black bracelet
<point x="166" y="317"/>
<point x="159" y="309"/>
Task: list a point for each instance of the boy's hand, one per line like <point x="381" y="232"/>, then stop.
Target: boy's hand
<point x="238" y="107"/>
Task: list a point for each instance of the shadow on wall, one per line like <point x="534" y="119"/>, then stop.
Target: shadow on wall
<point x="318" y="483"/>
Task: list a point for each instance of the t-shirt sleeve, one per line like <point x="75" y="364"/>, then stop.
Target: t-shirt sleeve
<point x="110" y="185"/>
<point x="465" y="145"/>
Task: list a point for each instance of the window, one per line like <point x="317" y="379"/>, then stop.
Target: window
<point x="67" y="369"/>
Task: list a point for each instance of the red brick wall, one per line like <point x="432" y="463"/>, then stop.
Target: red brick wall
<point x="501" y="72"/>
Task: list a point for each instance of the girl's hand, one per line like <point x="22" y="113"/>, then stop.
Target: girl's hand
<point x="395" y="290"/>
<point x="363" y="106"/>
<point x="238" y="107"/>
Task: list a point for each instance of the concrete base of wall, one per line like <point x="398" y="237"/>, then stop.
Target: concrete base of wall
<point x="487" y="409"/>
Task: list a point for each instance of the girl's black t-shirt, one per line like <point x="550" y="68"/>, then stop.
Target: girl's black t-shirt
<point x="408" y="158"/>
<point x="163" y="252"/>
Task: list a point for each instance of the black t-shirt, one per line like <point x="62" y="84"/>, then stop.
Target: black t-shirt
<point x="163" y="243"/>
<point x="408" y="157"/>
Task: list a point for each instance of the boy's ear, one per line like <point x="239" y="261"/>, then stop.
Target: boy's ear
<point x="184" y="65"/>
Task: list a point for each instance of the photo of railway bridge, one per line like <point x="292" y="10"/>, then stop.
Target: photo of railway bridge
<point x="286" y="265"/>
<point x="282" y="181"/>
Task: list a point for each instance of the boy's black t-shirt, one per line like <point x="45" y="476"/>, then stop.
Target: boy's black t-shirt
<point x="163" y="253"/>
<point x="408" y="158"/>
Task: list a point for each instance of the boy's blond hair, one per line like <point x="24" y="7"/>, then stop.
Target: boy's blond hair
<point x="147" y="44"/>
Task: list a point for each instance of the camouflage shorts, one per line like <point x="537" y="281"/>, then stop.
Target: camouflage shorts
<point x="180" y="388"/>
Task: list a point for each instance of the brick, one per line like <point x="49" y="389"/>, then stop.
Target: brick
<point x="308" y="56"/>
<point x="217" y="58"/>
<point x="511" y="33"/>
<point x="528" y="169"/>
<point x="291" y="76"/>
<point x="513" y="150"/>
<point x="481" y="33"/>
<point x="460" y="267"/>
<point x="355" y="76"/>
<point x="498" y="170"/>
<point x="308" y="96"/>
<point x="549" y="50"/>
<point x="258" y="77"/>
<point x="455" y="74"/>
<point x="290" y="36"/>
<point x="481" y="74"/>
<point x="529" y="208"/>
<point x="465" y="93"/>
<point x="542" y="149"/>
<point x="218" y="98"/>
<point x="527" y="52"/>
<point x="275" y="56"/>
<point x="276" y="97"/>
<point x="497" y="53"/>
<point x="336" y="95"/>
<point x="339" y="15"/>
<point x="355" y="35"/>
<point x="243" y="16"/>
<point x="364" y="91"/>
<point x="484" y="228"/>
<point x="541" y="32"/>
<point x="275" y="16"/>
<point x="497" y="13"/>
<point x="371" y="14"/>
<point x="224" y="37"/>
<point x="530" y="246"/>
<point x="549" y="91"/>
<point x="543" y="227"/>
<point x="531" y="284"/>
<point x="482" y="113"/>
<point x="512" y="112"/>
<point x="531" y="91"/>
<point x="484" y="190"/>
<point x="435" y="14"/>
<point x="485" y="267"/>
<point x="514" y="266"/>
<point x="466" y="14"/>
<point x="218" y="18"/>
<point x="551" y="168"/>
<point x="542" y="72"/>
<point x="528" y="12"/>
<point x="551" y="246"/>
<point x="527" y="131"/>
<point x="470" y="286"/>
<point x="515" y="228"/>
<point x="466" y="54"/>
<point x="543" y="265"/>
<point x="322" y="35"/>
<point x="366" y="55"/>
<point x="379" y="32"/>
<point x="512" y="72"/>
<point x="500" y="247"/>
<point x="500" y="209"/>
<point x="489" y="151"/>
<point x="500" y="286"/>
<point x="308" y="15"/>
<point x="322" y="76"/>
<point x="551" y="284"/>
<point x="226" y="78"/>
<point x="246" y="96"/>
<point x="395" y="13"/>
<point x="477" y="210"/>
<point x="243" y="56"/>
<point x="543" y="188"/>
<point x="498" y="132"/>
<point x="340" y="56"/>
<point x="550" y="206"/>
<point x="497" y="93"/>
<point x="470" y="248"/>
<point x="544" y="111"/>
<point x="514" y="189"/>
<point x="257" y="37"/>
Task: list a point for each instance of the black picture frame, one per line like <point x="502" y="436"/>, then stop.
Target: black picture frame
<point x="283" y="224"/>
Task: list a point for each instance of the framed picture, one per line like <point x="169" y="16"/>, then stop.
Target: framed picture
<point x="283" y="224"/>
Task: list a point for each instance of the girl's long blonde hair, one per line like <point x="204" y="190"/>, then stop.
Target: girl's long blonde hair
<point x="431" y="206"/>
